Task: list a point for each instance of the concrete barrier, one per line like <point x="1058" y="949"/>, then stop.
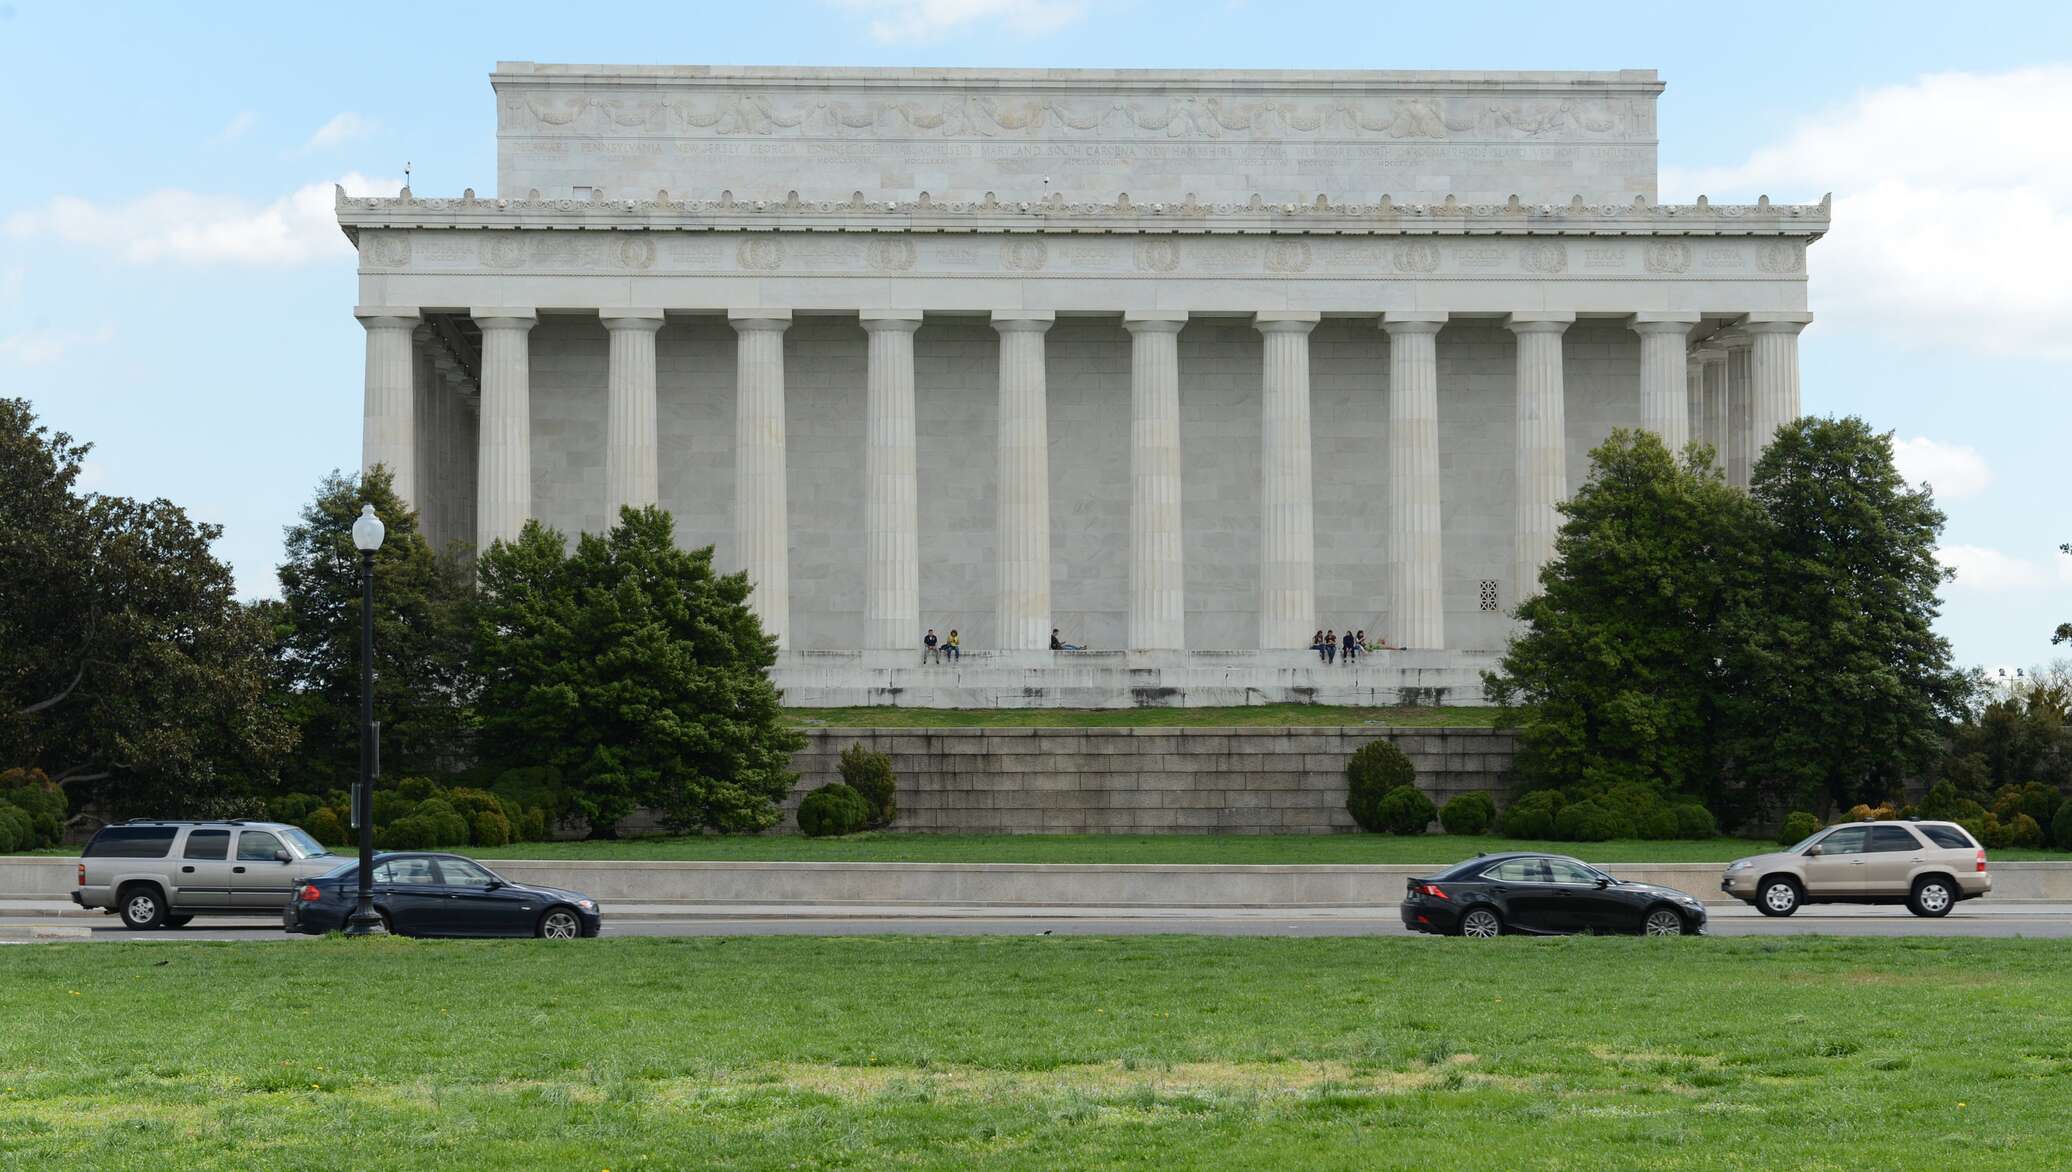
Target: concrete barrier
<point x="1025" y="884"/>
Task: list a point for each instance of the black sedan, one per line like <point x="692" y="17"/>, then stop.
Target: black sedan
<point x="1543" y="895"/>
<point x="426" y="894"/>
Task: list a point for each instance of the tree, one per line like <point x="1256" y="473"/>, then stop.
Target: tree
<point x="2064" y="632"/>
<point x="1620" y="667"/>
<point x="1842" y="684"/>
<point x="636" y="672"/>
<point x="421" y="638"/>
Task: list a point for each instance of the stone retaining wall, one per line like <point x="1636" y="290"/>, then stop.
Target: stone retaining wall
<point x="1265" y="780"/>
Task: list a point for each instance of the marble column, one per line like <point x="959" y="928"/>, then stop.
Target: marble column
<point x="1694" y="398"/>
<point x="454" y="487"/>
<point x="1664" y="381"/>
<point x="389" y="434"/>
<point x="891" y="486"/>
<point x="1773" y="374"/>
<point x="1542" y="463"/>
<point x="1287" y="519"/>
<point x="1739" y="453"/>
<point x="503" y="480"/>
<point x="762" y="528"/>
<point x="1021" y="531"/>
<point x="1158" y="580"/>
<point x="1712" y="362"/>
<point x="1415" y="569"/>
<point x="425" y="446"/>
<point x="632" y="456"/>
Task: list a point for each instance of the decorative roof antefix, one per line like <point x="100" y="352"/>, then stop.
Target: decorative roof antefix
<point x="1319" y="216"/>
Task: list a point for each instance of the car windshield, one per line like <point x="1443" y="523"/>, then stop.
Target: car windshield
<point x="1799" y="847"/>
<point x="304" y="845"/>
<point x="342" y="871"/>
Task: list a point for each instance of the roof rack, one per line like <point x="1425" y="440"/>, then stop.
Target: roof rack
<point x="186" y="822"/>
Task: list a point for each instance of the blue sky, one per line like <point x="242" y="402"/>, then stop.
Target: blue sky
<point x="171" y="287"/>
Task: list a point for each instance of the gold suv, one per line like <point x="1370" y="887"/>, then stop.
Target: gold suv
<point x="1928" y="866"/>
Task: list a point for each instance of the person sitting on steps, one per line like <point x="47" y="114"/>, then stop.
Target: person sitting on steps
<point x="930" y="653"/>
<point x="950" y="649"/>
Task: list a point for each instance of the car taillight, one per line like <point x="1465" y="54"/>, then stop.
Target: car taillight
<point x="1981" y="861"/>
<point x="1435" y="893"/>
<point x="309" y="893"/>
<point x="82" y="874"/>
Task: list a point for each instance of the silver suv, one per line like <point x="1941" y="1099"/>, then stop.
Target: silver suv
<point x="1928" y="866"/>
<point x="162" y="874"/>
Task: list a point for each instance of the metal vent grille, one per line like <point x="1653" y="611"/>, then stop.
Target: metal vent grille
<point x="1488" y="594"/>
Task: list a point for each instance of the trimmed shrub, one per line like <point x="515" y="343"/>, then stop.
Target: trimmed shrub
<point x="1405" y="810"/>
<point x="533" y="827"/>
<point x="16" y="832"/>
<point x="2061" y="827"/>
<point x="833" y="809"/>
<point x="869" y="773"/>
<point x="2024" y="832"/>
<point x="41" y="802"/>
<point x="1660" y="823"/>
<point x="1533" y="815"/>
<point x="1375" y="770"/>
<point x="1695" y="821"/>
<point x="1940" y="804"/>
<point x="1797" y="825"/>
<point x="1588" y="821"/>
<point x="326" y="827"/>
<point x="1469" y="813"/>
<point x="292" y="808"/>
<point x="491" y="828"/>
<point x="1993" y="833"/>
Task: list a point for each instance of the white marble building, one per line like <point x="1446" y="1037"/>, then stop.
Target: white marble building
<point x="1188" y="365"/>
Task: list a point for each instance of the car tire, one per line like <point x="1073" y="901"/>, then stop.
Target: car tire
<point x="1779" y="895"/>
<point x="558" y="923"/>
<point x="1932" y="897"/>
<point x="1663" y="920"/>
<point x="1481" y="923"/>
<point x="178" y="921"/>
<point x="142" y="907"/>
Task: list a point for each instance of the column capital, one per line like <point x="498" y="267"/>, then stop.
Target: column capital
<point x="1771" y="322"/>
<point x="899" y="321"/>
<point x="1154" y="321"/>
<point x="751" y="320"/>
<point x="1708" y="354"/>
<point x="1413" y="321"/>
<point x="1730" y="340"/>
<point x="390" y="317"/>
<point x="504" y="317"/>
<point x="1539" y="321"/>
<point x="631" y="319"/>
<point x="1678" y="323"/>
<point x="1023" y="321"/>
<point x="1286" y="321"/>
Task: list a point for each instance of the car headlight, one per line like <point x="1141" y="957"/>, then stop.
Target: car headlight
<point x="586" y="905"/>
<point x="1737" y="865"/>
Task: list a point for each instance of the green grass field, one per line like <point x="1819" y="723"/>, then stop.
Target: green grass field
<point x="1306" y="715"/>
<point x="1164" y="1052"/>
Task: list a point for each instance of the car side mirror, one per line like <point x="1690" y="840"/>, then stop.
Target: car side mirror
<point x="1813" y="850"/>
<point x="492" y="885"/>
<point x="283" y="857"/>
<point x="1602" y="883"/>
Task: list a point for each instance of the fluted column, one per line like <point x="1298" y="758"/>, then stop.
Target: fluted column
<point x="1712" y="363"/>
<point x="1158" y="580"/>
<point x="1542" y="463"/>
<point x="1287" y="519"/>
<point x="891" y="488"/>
<point x="1773" y="374"/>
<point x="389" y="435"/>
<point x="762" y="528"/>
<point x="632" y="457"/>
<point x="1694" y="398"/>
<point x="1664" y="382"/>
<point x="1739" y="455"/>
<point x="1415" y="568"/>
<point x="503" y="473"/>
<point x="1021" y="532"/>
<point x="424" y="444"/>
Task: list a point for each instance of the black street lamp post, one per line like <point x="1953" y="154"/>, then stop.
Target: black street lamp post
<point x="367" y="535"/>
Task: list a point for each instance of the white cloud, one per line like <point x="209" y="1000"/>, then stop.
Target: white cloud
<point x="1953" y="209"/>
<point x="1989" y="571"/>
<point x="43" y="347"/>
<point x="236" y="128"/>
<point x="203" y="228"/>
<point x="1953" y="470"/>
<point x="342" y="128"/>
<point x="920" y="21"/>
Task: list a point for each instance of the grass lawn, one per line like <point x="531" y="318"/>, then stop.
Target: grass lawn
<point x="1310" y="715"/>
<point x="1167" y="1052"/>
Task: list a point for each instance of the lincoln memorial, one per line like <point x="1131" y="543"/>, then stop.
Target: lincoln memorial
<point x="1186" y="365"/>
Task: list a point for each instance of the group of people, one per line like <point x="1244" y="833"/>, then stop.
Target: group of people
<point x="1331" y="648"/>
<point x="934" y="650"/>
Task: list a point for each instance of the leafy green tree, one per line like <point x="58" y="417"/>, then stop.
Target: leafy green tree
<point x="1842" y="683"/>
<point x="1620" y="668"/>
<point x="635" y="672"/>
<point x="422" y="631"/>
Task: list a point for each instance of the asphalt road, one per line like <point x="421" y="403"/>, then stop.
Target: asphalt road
<point x="2052" y="921"/>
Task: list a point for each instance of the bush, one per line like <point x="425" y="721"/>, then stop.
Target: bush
<point x="1660" y="823"/>
<point x="2024" y="832"/>
<point x="1940" y="804"/>
<point x="292" y="808"/>
<point x="2061" y="827"/>
<point x="1533" y="815"/>
<point x="533" y="827"/>
<point x="1469" y="813"/>
<point x="1993" y="833"/>
<point x="869" y="773"/>
<point x="41" y="803"/>
<point x="1588" y="821"/>
<point x="1375" y="770"/>
<point x="1799" y="824"/>
<point x="1405" y="810"/>
<point x="833" y="809"/>
<point x="16" y="832"/>
<point x="326" y="827"/>
<point x="491" y="828"/>
<point x="1695" y="821"/>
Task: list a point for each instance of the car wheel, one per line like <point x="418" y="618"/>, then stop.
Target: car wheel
<point x="1779" y="895"/>
<point x="560" y="924"/>
<point x="1933" y="897"/>
<point x="1481" y="923"/>
<point x="143" y="908"/>
<point x="178" y="921"/>
<point x="1663" y="921"/>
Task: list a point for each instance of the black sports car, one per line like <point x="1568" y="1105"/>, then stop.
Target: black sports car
<point x="428" y="894"/>
<point x="1544" y="895"/>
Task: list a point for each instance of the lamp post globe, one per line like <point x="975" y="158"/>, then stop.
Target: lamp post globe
<point x="367" y="536"/>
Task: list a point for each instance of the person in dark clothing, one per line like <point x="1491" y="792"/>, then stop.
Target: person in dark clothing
<point x="1330" y="646"/>
<point x="929" y="652"/>
<point x="1352" y="649"/>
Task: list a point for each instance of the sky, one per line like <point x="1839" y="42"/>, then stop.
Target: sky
<point x="174" y="289"/>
